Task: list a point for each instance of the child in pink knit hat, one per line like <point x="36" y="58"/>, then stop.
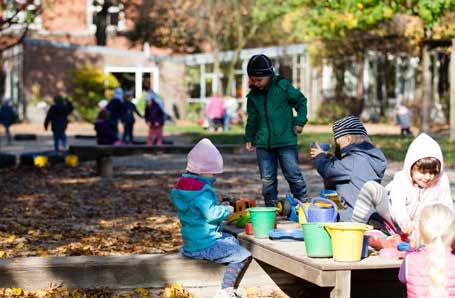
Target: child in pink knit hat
<point x="201" y="216"/>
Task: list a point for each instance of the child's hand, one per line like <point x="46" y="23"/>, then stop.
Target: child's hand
<point x="249" y="146"/>
<point x="298" y="129"/>
<point x="316" y="150"/>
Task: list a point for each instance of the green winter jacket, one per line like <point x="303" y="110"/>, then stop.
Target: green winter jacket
<point x="270" y="115"/>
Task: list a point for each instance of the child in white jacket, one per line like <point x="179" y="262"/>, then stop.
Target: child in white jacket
<point x="421" y="182"/>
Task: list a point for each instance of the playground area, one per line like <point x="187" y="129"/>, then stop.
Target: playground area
<point x="63" y="211"/>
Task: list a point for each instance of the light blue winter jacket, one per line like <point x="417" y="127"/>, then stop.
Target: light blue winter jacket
<point x="199" y="212"/>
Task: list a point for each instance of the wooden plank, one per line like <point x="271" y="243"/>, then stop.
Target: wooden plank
<point x="296" y="251"/>
<point x="304" y="271"/>
<point x="342" y="287"/>
<point x="95" y="151"/>
<point x="129" y="272"/>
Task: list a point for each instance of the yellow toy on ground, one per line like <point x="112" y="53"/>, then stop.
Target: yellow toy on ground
<point x="40" y="161"/>
<point x="72" y="160"/>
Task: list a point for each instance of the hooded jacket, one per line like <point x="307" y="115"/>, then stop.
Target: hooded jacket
<point x="271" y="120"/>
<point x="406" y="199"/>
<point x="359" y="163"/>
<point x="199" y="212"/>
<point x="415" y="274"/>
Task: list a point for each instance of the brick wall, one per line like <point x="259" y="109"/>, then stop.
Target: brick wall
<point x="65" y="16"/>
<point x="49" y="68"/>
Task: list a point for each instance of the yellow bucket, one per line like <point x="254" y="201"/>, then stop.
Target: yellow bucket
<point x="347" y="240"/>
<point x="40" y="161"/>
<point x="71" y="160"/>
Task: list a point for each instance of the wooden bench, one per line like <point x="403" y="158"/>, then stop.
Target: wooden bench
<point x="201" y="278"/>
<point x="103" y="153"/>
<point x="324" y="272"/>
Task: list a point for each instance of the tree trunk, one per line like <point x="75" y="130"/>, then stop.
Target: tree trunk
<point x="383" y="87"/>
<point x="360" y="92"/>
<point x="231" y="73"/>
<point x="339" y="68"/>
<point x="452" y="92"/>
<point x="426" y="98"/>
<point x="217" y="71"/>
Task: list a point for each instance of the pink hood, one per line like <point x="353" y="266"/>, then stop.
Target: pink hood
<point x="204" y="158"/>
<point x="406" y="199"/>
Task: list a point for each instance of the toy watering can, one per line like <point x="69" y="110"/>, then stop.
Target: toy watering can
<point x="317" y="213"/>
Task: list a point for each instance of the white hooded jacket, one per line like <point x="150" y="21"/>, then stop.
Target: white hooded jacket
<point x="406" y="199"/>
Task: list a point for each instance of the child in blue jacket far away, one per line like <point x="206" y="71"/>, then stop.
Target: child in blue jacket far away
<point x="201" y="217"/>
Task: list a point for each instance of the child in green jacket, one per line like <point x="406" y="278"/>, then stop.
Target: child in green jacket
<point x="272" y="128"/>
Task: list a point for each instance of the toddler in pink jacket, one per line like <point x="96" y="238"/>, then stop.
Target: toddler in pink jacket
<point x="421" y="182"/>
<point x="430" y="272"/>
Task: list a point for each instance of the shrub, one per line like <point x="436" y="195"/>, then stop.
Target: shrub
<point x="333" y="109"/>
<point x="90" y="86"/>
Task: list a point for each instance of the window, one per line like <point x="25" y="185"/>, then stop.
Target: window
<point x="113" y="12"/>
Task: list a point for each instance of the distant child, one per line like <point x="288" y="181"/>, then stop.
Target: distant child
<point x="430" y="271"/>
<point x="356" y="161"/>
<point x="201" y="217"/>
<point x="116" y="108"/>
<point x="154" y="117"/>
<point x="7" y="117"/>
<point x="214" y="111"/>
<point x="128" y="118"/>
<point x="404" y="118"/>
<point x="57" y="116"/>
<point x="420" y="183"/>
<point x="105" y="131"/>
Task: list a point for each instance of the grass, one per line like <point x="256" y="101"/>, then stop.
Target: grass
<point x="393" y="146"/>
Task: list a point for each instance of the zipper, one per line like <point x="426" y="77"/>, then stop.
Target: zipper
<point x="267" y="120"/>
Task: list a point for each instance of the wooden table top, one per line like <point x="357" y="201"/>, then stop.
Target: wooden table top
<point x="296" y="251"/>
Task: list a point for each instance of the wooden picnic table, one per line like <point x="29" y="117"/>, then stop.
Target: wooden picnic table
<point x="290" y="256"/>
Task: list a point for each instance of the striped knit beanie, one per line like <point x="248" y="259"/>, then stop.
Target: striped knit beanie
<point x="349" y="125"/>
<point x="259" y="66"/>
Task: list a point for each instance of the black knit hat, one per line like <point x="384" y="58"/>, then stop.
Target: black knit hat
<point x="349" y="125"/>
<point x="259" y="66"/>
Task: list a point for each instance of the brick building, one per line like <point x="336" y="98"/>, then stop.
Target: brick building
<point x="62" y="39"/>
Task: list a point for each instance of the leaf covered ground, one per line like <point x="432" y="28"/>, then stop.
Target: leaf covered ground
<point x="69" y="212"/>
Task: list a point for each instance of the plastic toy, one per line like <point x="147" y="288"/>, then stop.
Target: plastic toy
<point x="71" y="160"/>
<point x="40" y="161"/>
<point x="242" y="221"/>
<point x="237" y="215"/>
<point x="403" y="246"/>
<point x="321" y="213"/>
<point x="288" y="207"/>
<point x="279" y="234"/>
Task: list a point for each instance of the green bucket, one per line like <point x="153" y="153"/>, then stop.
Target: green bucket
<point x="318" y="243"/>
<point x="262" y="220"/>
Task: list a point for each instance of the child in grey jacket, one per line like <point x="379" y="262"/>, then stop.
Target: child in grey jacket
<point x="356" y="161"/>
